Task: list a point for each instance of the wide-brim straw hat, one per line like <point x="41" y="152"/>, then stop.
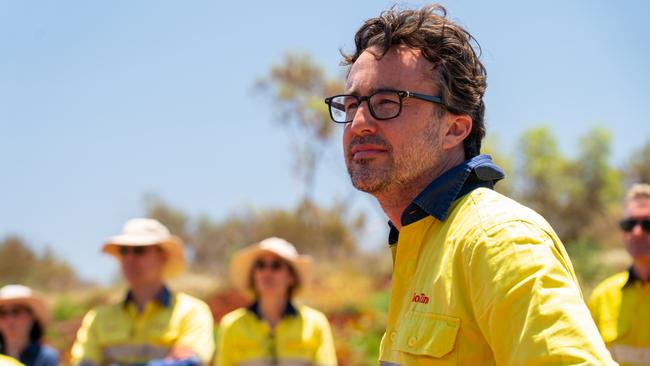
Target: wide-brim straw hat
<point x="144" y="232"/>
<point x="25" y="296"/>
<point x="241" y="265"/>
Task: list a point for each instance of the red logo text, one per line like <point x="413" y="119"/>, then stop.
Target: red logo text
<point x="420" y="298"/>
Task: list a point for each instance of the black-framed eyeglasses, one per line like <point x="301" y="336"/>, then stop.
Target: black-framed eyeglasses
<point x="138" y="251"/>
<point x="383" y="104"/>
<point x="628" y="224"/>
<point x="274" y="265"/>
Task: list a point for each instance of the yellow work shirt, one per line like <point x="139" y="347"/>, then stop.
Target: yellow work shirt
<point x="489" y="285"/>
<point x="117" y="333"/>
<point x="301" y="338"/>
<point x="620" y="306"/>
<point x="9" y="361"/>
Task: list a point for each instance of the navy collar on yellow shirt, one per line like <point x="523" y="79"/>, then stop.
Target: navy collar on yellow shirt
<point x="289" y="310"/>
<point x="164" y="297"/>
<point x="632" y="277"/>
<point x="436" y="199"/>
<point x="30" y="354"/>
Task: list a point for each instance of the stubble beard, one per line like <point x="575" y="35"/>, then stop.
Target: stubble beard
<point x="370" y="179"/>
<point x="396" y="173"/>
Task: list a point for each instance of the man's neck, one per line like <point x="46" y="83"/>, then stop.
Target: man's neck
<point x="144" y="294"/>
<point x="642" y="271"/>
<point x="394" y="201"/>
<point x="395" y="204"/>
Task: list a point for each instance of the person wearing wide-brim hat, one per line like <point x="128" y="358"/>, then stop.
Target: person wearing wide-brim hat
<point x="152" y="325"/>
<point x="23" y="319"/>
<point x="274" y="329"/>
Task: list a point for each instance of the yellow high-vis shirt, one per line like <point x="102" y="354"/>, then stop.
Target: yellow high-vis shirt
<point x="620" y="306"/>
<point x="118" y="334"/>
<point x="9" y="361"/>
<point x="491" y="284"/>
<point x="302" y="337"/>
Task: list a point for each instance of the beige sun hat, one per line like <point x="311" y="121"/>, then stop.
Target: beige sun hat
<point x="23" y="295"/>
<point x="243" y="260"/>
<point x="144" y="232"/>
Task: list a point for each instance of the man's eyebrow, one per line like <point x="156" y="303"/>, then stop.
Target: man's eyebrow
<point x="384" y="89"/>
<point x="370" y="91"/>
<point x="350" y="91"/>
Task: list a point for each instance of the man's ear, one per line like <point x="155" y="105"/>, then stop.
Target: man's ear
<point x="458" y="128"/>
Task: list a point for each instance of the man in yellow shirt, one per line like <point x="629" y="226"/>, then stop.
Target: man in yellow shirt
<point x="620" y="305"/>
<point x="153" y="326"/>
<point x="478" y="279"/>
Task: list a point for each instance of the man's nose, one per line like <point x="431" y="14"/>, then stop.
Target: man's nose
<point x="637" y="230"/>
<point x="363" y="123"/>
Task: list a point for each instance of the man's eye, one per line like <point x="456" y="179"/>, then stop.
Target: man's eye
<point x="351" y="105"/>
<point x="386" y="101"/>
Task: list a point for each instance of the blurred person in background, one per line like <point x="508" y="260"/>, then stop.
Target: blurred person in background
<point x="152" y="325"/>
<point x="23" y="317"/>
<point x="620" y="305"/>
<point x="478" y="279"/>
<point x="274" y="330"/>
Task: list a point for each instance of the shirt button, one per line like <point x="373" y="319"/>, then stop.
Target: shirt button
<point x="392" y="336"/>
<point x="412" y="341"/>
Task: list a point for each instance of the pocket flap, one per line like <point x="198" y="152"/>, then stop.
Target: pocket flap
<point x="427" y="334"/>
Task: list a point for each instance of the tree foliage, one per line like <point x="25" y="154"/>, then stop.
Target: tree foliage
<point x="327" y="232"/>
<point x="297" y="88"/>
<point x="491" y="147"/>
<point x="570" y="193"/>
<point x="20" y="264"/>
<point x="637" y="169"/>
<point x="542" y="170"/>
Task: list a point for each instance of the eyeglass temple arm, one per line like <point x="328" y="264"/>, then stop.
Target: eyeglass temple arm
<point x="429" y="98"/>
<point x="334" y="104"/>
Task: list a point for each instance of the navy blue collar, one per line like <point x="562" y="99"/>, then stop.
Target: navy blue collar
<point x="632" y="277"/>
<point x="29" y="354"/>
<point x="164" y="297"/>
<point x="436" y="199"/>
<point x="289" y="310"/>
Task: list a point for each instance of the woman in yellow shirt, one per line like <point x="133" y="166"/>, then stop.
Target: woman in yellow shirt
<point x="274" y="330"/>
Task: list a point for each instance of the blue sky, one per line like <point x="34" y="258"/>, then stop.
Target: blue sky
<point x="104" y="102"/>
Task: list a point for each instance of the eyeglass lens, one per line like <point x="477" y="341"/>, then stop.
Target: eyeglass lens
<point x="628" y="225"/>
<point x="383" y="105"/>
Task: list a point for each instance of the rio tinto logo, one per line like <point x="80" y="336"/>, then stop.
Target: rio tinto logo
<point x="420" y="298"/>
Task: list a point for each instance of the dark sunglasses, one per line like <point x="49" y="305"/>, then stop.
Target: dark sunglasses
<point x="628" y="225"/>
<point x="136" y="251"/>
<point x="274" y="265"/>
<point x="13" y="311"/>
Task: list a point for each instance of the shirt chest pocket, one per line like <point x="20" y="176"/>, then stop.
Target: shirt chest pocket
<point x="427" y="334"/>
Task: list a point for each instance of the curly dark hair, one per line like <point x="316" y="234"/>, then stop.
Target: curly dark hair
<point x="454" y="52"/>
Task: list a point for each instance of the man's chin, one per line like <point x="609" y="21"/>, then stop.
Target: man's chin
<point x="370" y="187"/>
<point x="368" y="181"/>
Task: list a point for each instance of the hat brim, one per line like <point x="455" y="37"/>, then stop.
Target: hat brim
<point x="35" y="304"/>
<point x="172" y="245"/>
<point x="242" y="265"/>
